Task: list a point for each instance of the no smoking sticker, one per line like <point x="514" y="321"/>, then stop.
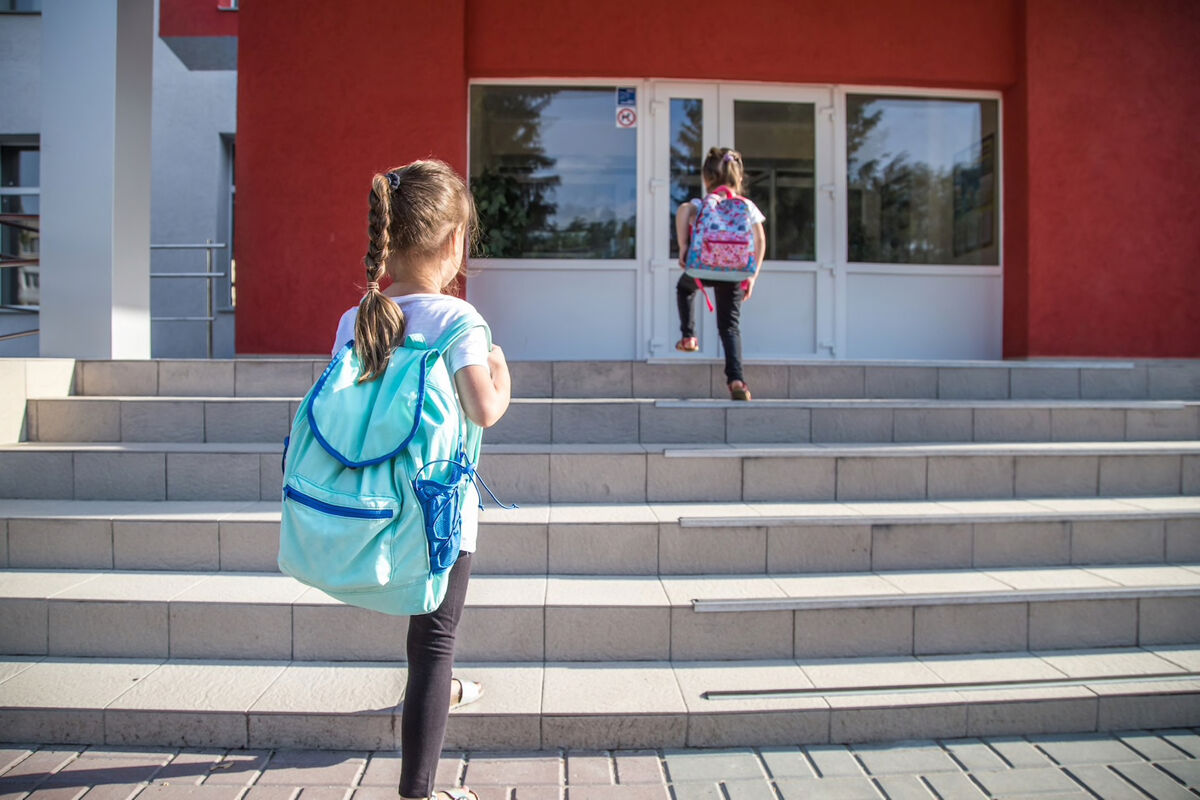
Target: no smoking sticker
<point x="626" y="117"/>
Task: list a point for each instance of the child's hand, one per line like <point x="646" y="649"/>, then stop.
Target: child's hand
<point x="748" y="286"/>
<point x="496" y="361"/>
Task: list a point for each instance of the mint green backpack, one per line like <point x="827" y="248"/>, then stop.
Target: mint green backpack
<point x="374" y="477"/>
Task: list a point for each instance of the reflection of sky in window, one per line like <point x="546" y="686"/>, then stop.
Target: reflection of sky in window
<point x="934" y="132"/>
<point x="596" y="160"/>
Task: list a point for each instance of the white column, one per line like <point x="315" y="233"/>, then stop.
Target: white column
<point x="95" y="223"/>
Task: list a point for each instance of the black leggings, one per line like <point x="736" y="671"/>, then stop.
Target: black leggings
<point x="427" y="693"/>
<point x="727" y="297"/>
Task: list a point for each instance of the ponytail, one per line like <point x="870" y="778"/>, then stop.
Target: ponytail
<point x="380" y="324"/>
<point x="723" y="167"/>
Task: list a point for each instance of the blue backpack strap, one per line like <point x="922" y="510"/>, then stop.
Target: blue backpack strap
<point x="460" y="327"/>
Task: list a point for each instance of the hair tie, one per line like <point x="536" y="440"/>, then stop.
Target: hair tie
<point x="393" y="180"/>
<point x="728" y="157"/>
<point x="372" y="286"/>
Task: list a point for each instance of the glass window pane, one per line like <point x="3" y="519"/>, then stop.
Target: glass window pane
<point x="777" y="144"/>
<point x="552" y="173"/>
<point x="922" y="180"/>
<point x="687" y="154"/>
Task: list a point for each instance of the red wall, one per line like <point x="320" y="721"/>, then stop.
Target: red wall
<point x="1100" y="103"/>
<point x="195" y="18"/>
<point x="1114" y="178"/>
<point x="327" y="97"/>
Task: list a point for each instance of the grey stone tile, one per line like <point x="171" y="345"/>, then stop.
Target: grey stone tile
<point x="108" y="629"/>
<point x="213" y="476"/>
<point x="920" y="546"/>
<point x="951" y="786"/>
<point x="973" y="754"/>
<point x="1139" y="475"/>
<point x="682" y="381"/>
<point x="898" y="722"/>
<point x="337" y="632"/>
<point x="37" y="476"/>
<point x="242" y="421"/>
<point x="786" y="762"/>
<point x="16" y="414"/>
<point x="239" y="767"/>
<point x="823" y="381"/>
<point x="852" y="425"/>
<point x="1168" y="620"/>
<point x="1150" y="746"/>
<point x="970" y="477"/>
<point x="74" y="420"/>
<point x="754" y="423"/>
<point x="518" y="477"/>
<point x="984" y="628"/>
<point x="1012" y="715"/>
<point x="1190" y="478"/>
<point x="198" y="378"/>
<point x="907" y="758"/>
<point x="1103" y="782"/>
<point x="589" y="768"/>
<point x="230" y="630"/>
<point x="23" y="627"/>
<point x="597" y="477"/>
<point x="832" y="788"/>
<point x="690" y="479"/>
<point x="672" y="425"/>
<point x="165" y="544"/>
<point x="1179" y="381"/>
<point x="695" y="551"/>
<point x="1160" y="424"/>
<point x="249" y="546"/>
<point x="119" y="378"/>
<point x="789" y="479"/>
<point x="854" y="632"/>
<point x="818" y="548"/>
<point x="758" y="789"/>
<point x="1154" y="782"/>
<point x="1045" y="383"/>
<point x="1017" y="752"/>
<point x="1083" y="623"/>
<point x="1078" y="749"/>
<point x="1183" y="539"/>
<point x="512" y="550"/>
<point x="1032" y="780"/>
<point x="1087" y="425"/>
<point x="1012" y="424"/>
<point x="593" y="379"/>
<point x="162" y="421"/>
<point x="312" y="767"/>
<point x="934" y="425"/>
<point x="60" y="543"/>
<point x="1113" y="384"/>
<point x="531" y="378"/>
<point x="607" y="633"/>
<point x="523" y="423"/>
<point x="270" y="476"/>
<point x="833" y="761"/>
<point x="901" y="382"/>
<point x="766" y="381"/>
<point x="120" y="476"/>
<point x="1187" y="772"/>
<point x="903" y="787"/>
<point x="865" y="478"/>
<point x="1118" y="541"/>
<point x="602" y="549"/>
<point x="973" y="383"/>
<point x="272" y="378"/>
<point x="1183" y="740"/>
<point x="683" y="766"/>
<point x="638" y="766"/>
<point x="1057" y="476"/>
<point x="1015" y="544"/>
<point x="727" y="635"/>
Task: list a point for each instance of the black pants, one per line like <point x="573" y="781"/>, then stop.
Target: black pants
<point x="427" y="693"/>
<point x="727" y="297"/>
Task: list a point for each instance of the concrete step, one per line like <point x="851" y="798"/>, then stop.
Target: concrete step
<point x="639" y="538"/>
<point x="693" y="378"/>
<point x="146" y="614"/>
<point x="641" y="472"/>
<point x="574" y="421"/>
<point x="537" y="705"/>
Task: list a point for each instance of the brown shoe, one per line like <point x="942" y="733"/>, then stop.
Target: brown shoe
<point x="738" y="390"/>
<point x="688" y="344"/>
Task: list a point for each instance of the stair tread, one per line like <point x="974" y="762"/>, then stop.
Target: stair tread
<point x="551" y="688"/>
<point x="687" y="514"/>
<point x="904" y="586"/>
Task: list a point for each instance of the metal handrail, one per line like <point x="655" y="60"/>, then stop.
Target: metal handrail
<point x="208" y="247"/>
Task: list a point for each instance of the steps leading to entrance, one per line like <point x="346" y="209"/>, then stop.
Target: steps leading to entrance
<point x="271" y="704"/>
<point x="916" y="550"/>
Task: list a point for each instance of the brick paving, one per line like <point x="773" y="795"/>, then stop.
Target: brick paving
<point x="1136" y="764"/>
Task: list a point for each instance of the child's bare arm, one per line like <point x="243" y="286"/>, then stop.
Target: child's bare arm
<point x="485" y="391"/>
<point x="760" y="252"/>
<point x="683" y="229"/>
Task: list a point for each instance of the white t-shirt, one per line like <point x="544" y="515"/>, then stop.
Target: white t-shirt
<point x="430" y="315"/>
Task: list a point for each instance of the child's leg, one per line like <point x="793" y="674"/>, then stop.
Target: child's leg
<point x="685" y="294"/>
<point x="427" y="694"/>
<point x="729" y="312"/>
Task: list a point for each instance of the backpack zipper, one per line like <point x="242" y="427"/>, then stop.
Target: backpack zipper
<point x="336" y="510"/>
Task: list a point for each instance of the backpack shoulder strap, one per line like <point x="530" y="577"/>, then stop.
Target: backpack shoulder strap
<point x="459" y="328"/>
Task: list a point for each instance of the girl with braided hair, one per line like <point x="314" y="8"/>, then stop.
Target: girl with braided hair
<point x="422" y="218"/>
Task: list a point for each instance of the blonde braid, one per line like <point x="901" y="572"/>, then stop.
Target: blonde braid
<point x="380" y="324"/>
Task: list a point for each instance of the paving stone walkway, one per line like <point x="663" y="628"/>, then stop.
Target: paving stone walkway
<point x="1139" y="764"/>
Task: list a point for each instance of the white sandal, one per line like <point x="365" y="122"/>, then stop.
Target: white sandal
<point x="468" y="692"/>
<point x="459" y="793"/>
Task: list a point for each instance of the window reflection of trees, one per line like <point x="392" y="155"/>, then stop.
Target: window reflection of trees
<point x="516" y="181"/>
<point x="905" y="211"/>
<point x="687" y="154"/>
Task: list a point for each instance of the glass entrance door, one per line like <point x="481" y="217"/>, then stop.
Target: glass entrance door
<point x="785" y="136"/>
